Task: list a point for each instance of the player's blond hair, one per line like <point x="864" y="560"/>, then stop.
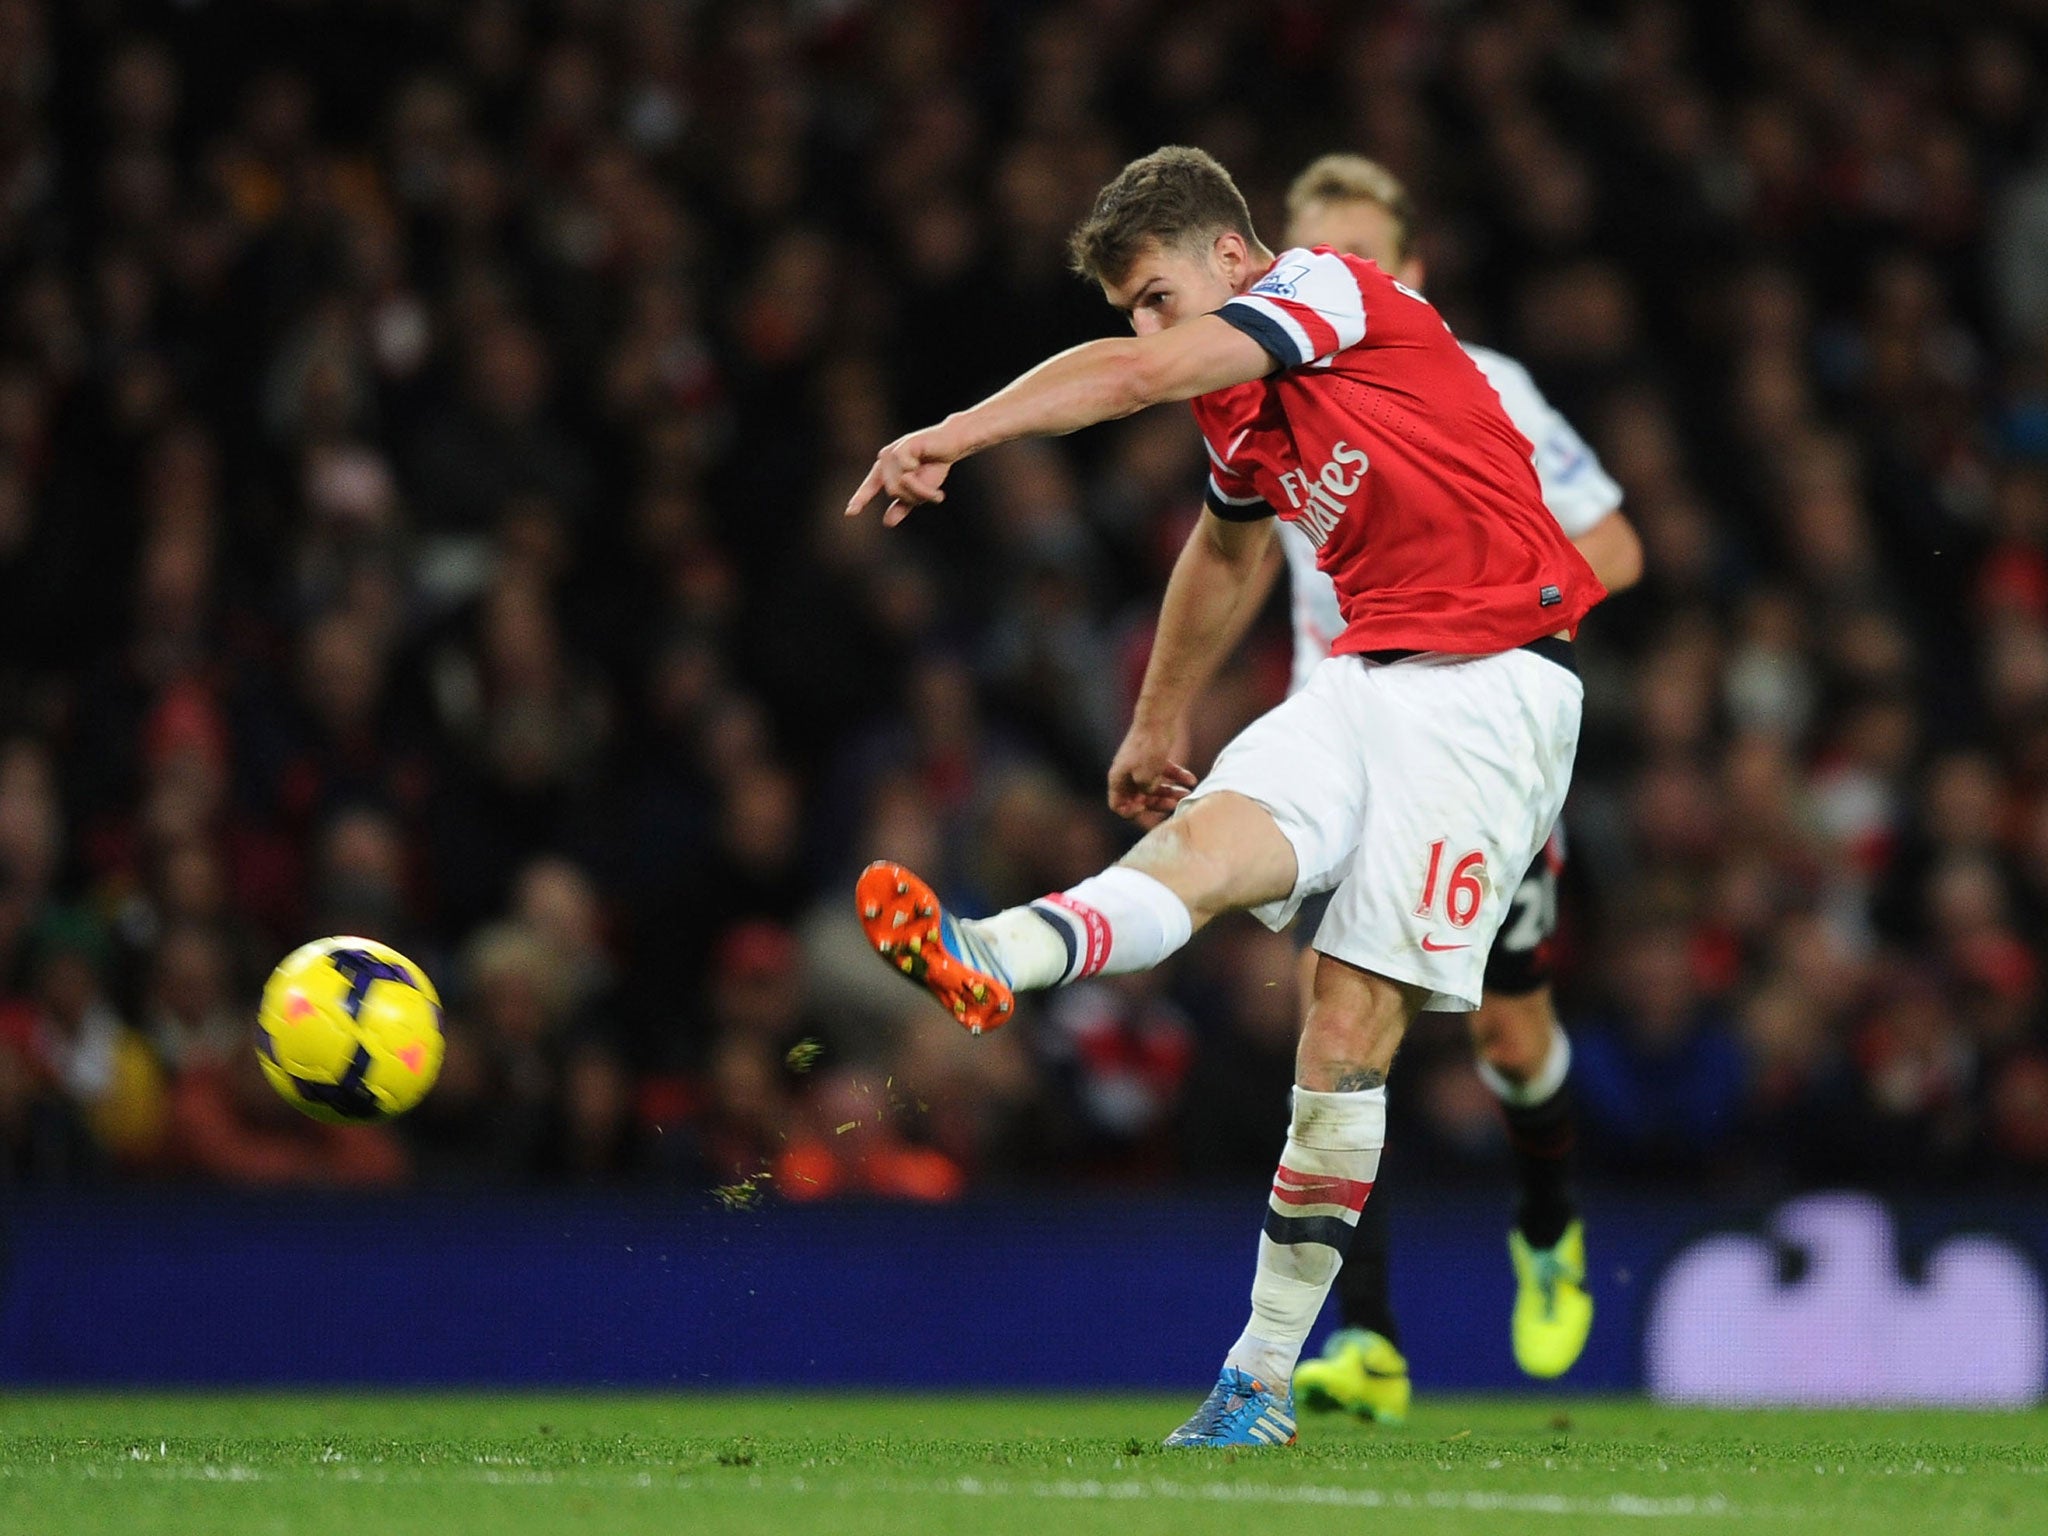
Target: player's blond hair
<point x="1174" y="196"/>
<point x="1355" y="179"/>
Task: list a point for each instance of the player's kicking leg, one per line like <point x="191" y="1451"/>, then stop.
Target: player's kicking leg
<point x="1525" y="1058"/>
<point x="1215" y="855"/>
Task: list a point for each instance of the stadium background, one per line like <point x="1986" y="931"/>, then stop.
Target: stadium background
<point x="423" y="426"/>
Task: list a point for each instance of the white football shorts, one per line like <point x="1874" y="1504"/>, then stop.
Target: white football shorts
<point x="1419" y="790"/>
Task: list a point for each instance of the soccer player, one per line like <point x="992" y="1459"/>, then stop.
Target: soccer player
<point x="1423" y="764"/>
<point x="1358" y="206"/>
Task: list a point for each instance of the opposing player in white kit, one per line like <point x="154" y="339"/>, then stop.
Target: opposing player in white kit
<point x="1356" y="205"/>
<point x="1421" y="766"/>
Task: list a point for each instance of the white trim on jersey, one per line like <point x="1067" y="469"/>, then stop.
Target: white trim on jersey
<point x="1216" y="490"/>
<point x="1312" y="298"/>
<point x="1291" y="328"/>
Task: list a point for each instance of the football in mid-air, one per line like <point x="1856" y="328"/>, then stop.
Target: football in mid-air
<point x="350" y="1031"/>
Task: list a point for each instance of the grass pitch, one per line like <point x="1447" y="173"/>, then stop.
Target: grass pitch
<point x="241" y="1465"/>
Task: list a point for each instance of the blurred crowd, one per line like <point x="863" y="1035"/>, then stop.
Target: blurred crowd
<point x="423" y="431"/>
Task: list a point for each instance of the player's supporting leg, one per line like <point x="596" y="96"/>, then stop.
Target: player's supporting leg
<point x="1355" y="1024"/>
<point x="1525" y="1058"/>
<point x="1361" y="1369"/>
<point x="1214" y="855"/>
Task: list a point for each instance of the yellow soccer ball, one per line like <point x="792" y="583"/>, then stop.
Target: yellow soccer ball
<point x="350" y="1031"/>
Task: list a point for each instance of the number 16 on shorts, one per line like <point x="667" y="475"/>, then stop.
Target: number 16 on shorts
<point x="1463" y="889"/>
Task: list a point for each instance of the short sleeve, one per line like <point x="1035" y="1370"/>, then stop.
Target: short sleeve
<point x="1230" y="493"/>
<point x="1245" y="508"/>
<point x="1304" y="311"/>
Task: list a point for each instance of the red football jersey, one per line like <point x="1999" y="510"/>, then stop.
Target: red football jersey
<point x="1380" y="439"/>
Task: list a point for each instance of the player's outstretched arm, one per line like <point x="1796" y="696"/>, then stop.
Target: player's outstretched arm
<point x="1222" y="572"/>
<point x="1096" y="381"/>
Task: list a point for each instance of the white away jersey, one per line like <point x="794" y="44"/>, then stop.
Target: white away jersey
<point x="1576" y="490"/>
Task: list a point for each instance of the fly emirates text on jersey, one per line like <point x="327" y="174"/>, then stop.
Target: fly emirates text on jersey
<point x="1320" y="500"/>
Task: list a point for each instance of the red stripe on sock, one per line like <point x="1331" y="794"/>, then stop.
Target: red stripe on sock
<point x="1097" y="928"/>
<point x="1293" y="1188"/>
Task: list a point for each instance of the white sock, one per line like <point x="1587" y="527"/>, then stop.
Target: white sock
<point x="1326" y="1172"/>
<point x="1120" y="920"/>
<point x="1557" y="1065"/>
<point x="1025" y="949"/>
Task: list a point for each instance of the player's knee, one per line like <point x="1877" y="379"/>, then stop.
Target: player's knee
<point x="1219" y="854"/>
<point x="1177" y="856"/>
<point x="1512" y="1033"/>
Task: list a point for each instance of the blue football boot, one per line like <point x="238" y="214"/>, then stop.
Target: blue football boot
<point x="1242" y="1410"/>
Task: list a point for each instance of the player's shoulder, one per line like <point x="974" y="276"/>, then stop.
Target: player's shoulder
<point x="1315" y="275"/>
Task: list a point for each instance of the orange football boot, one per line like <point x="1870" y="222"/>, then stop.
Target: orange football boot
<point x="910" y="930"/>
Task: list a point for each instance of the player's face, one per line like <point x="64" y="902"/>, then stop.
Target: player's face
<point x="1171" y="283"/>
<point x="1361" y="228"/>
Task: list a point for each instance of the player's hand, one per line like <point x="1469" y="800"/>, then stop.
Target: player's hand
<point x="910" y="472"/>
<point x="1145" y="783"/>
